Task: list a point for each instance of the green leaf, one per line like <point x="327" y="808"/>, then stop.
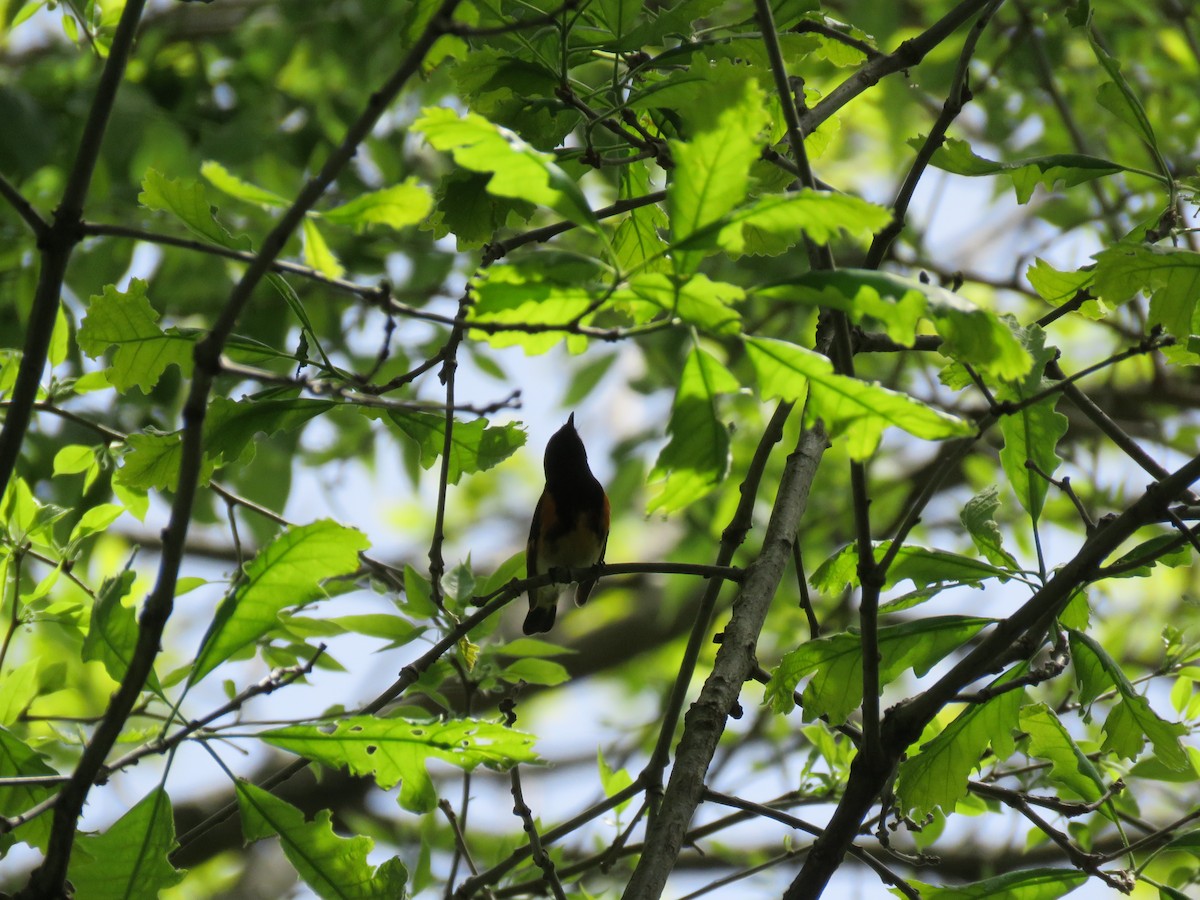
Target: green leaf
<point x="395" y="629"/>
<point x="1070" y="768"/>
<point x="287" y="573"/>
<point x="394" y="751"/>
<point x="127" y="320"/>
<point x="1169" y="276"/>
<point x="637" y="244"/>
<point x="968" y="331"/>
<point x="772" y="224"/>
<point x="712" y="170"/>
<point x="1118" y="98"/>
<point x="537" y="292"/>
<point x="18" y="689"/>
<point x="532" y="647"/>
<point x="1162" y="549"/>
<point x="230" y="428"/>
<point x="153" y="462"/>
<point x="612" y="780"/>
<point x="835" y="663"/>
<point x="227" y="183"/>
<point x="112" y="633"/>
<point x="73" y="459"/>
<point x="1057" y="288"/>
<point x="979" y="518"/>
<point x="470" y="213"/>
<point x="859" y="410"/>
<point x="924" y="566"/>
<point x="96" y="520"/>
<point x="474" y="446"/>
<point x="696" y="459"/>
<point x="130" y="859"/>
<point x="536" y="671"/>
<point x="518" y="170"/>
<point x="332" y="866"/>
<point x="397" y="207"/>
<point x="1026" y="884"/>
<point x="1132" y="720"/>
<point x="937" y="775"/>
<point x="16" y="760"/>
<point x="695" y="300"/>
<point x="60" y="338"/>
<point x="188" y="202"/>
<point x="317" y="254"/>
<point x="1070" y="168"/>
<point x="1033" y="433"/>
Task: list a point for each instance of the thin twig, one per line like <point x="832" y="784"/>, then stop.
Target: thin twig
<point x="460" y="839"/>
<point x="814" y="626"/>
<point x="540" y="858"/>
<point x="907" y="55"/>
<point x="24" y="208"/>
<point x="956" y="99"/>
<point x="879" y="868"/>
<point x="731" y="538"/>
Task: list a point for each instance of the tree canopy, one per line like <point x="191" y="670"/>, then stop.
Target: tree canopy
<point x="879" y="321"/>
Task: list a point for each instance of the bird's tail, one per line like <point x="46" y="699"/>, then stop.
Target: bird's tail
<point x="583" y="591"/>
<point x="540" y="619"/>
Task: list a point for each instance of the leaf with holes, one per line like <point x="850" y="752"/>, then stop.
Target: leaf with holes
<point x="394" y="751"/>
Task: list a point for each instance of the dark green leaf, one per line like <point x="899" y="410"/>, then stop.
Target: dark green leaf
<point x="1070" y="168"/>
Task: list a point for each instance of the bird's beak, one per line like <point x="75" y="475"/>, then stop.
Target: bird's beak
<point x="571" y="420"/>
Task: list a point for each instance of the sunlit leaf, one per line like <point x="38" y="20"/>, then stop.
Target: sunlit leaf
<point x="228" y="183"/>
<point x="399" y="206"/>
<point x="859" y="410"/>
<point x="287" y="573"/>
<point x="518" y="170"/>
<point x="130" y="858"/>
<point x="833" y="664"/>
<point x="332" y="866"/>
<point x="712" y="169"/>
<point x="127" y="320"/>
<point x="187" y="201"/>
<point x="394" y="751"/>
<point x="696" y="458"/>
<point x="937" y="774"/>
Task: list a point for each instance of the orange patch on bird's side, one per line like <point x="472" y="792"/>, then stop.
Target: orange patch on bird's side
<point x="576" y="549"/>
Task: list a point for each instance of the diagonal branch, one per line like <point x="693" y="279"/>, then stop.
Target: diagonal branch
<point x="24" y="208"/>
<point x="903" y="724"/>
<point x="907" y="55"/>
<point x="705" y="720"/>
<point x="48" y="879"/>
<point x="58" y="241"/>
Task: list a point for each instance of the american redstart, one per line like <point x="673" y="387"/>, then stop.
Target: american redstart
<point x="570" y="525"/>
